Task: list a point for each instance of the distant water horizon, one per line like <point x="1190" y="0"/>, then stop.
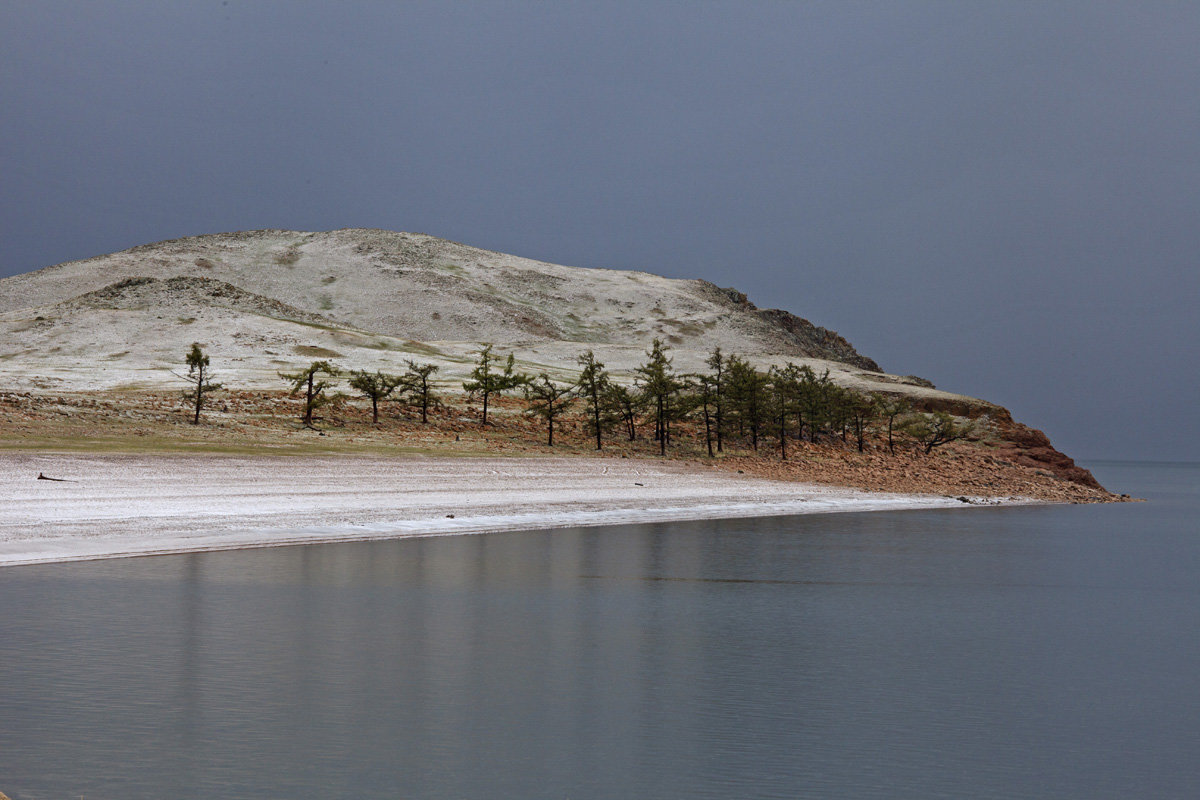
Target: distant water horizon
<point x="985" y="653"/>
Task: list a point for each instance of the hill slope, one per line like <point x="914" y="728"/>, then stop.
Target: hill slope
<point x="265" y="300"/>
<point x="422" y="288"/>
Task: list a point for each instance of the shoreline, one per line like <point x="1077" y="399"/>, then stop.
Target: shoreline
<point x="118" y="506"/>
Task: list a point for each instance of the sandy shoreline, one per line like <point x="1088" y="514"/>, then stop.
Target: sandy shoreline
<point x="128" y="505"/>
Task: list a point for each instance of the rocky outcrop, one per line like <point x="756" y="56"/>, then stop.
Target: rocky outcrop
<point x="1030" y="447"/>
<point x="807" y="339"/>
<point x="815" y="341"/>
<point x="1013" y="441"/>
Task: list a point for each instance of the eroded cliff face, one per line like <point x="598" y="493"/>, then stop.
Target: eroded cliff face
<point x="1030" y="447"/>
<point x="1012" y="441"/>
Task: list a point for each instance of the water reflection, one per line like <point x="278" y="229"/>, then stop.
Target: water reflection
<point x="986" y="654"/>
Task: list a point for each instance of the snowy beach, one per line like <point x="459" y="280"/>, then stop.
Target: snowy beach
<point x="129" y="505"/>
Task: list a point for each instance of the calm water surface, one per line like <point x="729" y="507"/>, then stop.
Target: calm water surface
<point x="1026" y="652"/>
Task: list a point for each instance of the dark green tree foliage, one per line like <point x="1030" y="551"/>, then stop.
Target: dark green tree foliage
<point x="416" y="384"/>
<point x="747" y="393"/>
<point x="198" y="375"/>
<point x="594" y="385"/>
<point x="936" y="429"/>
<point x="888" y="409"/>
<point x="626" y="405"/>
<point x="314" y="386"/>
<point x="658" y="385"/>
<point x="706" y="398"/>
<point x="784" y="400"/>
<point x="802" y="379"/>
<point x="840" y="401"/>
<point x="815" y="397"/>
<point x="487" y="380"/>
<point x="377" y="386"/>
<point x="862" y="411"/>
<point x="716" y="363"/>
<point x="548" y="400"/>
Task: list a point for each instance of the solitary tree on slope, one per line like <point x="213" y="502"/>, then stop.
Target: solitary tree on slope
<point x="198" y="375"/>
<point x="936" y="429"/>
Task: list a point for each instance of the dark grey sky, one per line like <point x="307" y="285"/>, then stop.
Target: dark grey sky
<point x="1002" y="197"/>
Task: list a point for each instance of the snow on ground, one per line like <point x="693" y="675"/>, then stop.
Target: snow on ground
<point x="117" y="505"/>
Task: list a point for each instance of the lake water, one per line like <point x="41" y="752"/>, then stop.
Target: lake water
<point x="982" y="653"/>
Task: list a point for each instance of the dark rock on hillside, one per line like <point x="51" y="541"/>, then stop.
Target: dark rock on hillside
<point x="816" y="341"/>
<point x="144" y="292"/>
<point x="808" y="339"/>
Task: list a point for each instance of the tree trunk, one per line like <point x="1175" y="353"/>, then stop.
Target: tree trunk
<point x="708" y="439"/>
<point x="720" y="448"/>
<point x="308" y="401"/>
<point x="783" y="436"/>
<point x="662" y="434"/>
<point x="596" y="416"/>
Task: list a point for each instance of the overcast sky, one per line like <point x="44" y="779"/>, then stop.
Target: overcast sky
<point x="1002" y="197"/>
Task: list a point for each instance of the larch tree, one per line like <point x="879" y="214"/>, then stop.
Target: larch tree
<point x="658" y="384"/>
<point x="782" y="400"/>
<point x="548" y="400"/>
<point x="377" y="386"/>
<point x="314" y="386"/>
<point x="748" y="396"/>
<point x="706" y="398"/>
<point x="486" y="380"/>
<point x="717" y="363"/>
<point x="593" y="385"/>
<point x="815" y="400"/>
<point x="862" y="412"/>
<point x="198" y="376"/>
<point x="417" y="384"/>
<point x="626" y="405"/>
<point x="936" y="429"/>
<point x="890" y="408"/>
